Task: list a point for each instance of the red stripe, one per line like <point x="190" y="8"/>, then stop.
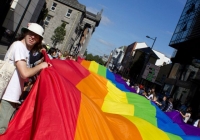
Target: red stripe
<point x="51" y="109"/>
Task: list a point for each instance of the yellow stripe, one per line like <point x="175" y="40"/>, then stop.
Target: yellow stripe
<point x="116" y="102"/>
<point x="94" y="66"/>
<point x="147" y="130"/>
<point x="115" y="94"/>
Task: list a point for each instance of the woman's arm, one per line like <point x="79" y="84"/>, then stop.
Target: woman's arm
<point x="186" y="115"/>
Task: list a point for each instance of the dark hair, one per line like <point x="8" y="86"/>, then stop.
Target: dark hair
<point x="171" y="99"/>
<point x="37" y="46"/>
<point x="74" y="57"/>
<point x="44" y="47"/>
<point x="65" y="54"/>
<point x="51" y="51"/>
<point x="189" y="110"/>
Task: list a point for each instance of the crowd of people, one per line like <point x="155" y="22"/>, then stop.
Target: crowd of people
<point x="163" y="102"/>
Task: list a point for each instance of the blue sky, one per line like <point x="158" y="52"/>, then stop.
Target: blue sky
<point x="127" y="21"/>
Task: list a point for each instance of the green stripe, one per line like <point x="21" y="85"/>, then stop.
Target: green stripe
<point x="143" y="108"/>
<point x="101" y="71"/>
<point x="173" y="137"/>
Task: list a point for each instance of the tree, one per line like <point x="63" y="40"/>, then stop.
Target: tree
<point x="89" y="57"/>
<point x="59" y="34"/>
<point x="86" y="53"/>
<point x="95" y="58"/>
<point x="43" y="13"/>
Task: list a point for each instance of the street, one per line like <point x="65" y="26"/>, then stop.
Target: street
<point x="2" y="56"/>
<point x="3" y="50"/>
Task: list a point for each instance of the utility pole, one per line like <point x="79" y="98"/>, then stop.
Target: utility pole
<point x="147" y="57"/>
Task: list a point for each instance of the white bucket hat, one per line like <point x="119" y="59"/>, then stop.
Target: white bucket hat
<point x="34" y="27"/>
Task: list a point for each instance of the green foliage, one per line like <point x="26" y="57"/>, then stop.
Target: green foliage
<point x="43" y="13"/>
<point x="89" y="57"/>
<point x="59" y="34"/>
<point x="86" y="52"/>
<point x="95" y="58"/>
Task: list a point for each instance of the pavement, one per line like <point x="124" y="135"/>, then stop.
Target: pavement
<point x="3" y="50"/>
<point x="3" y="47"/>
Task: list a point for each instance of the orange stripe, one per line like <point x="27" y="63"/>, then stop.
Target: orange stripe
<point x="91" y="124"/>
<point x="85" y="64"/>
<point x="95" y="124"/>
<point x="94" y="87"/>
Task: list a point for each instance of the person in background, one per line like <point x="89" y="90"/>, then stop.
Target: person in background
<point x="137" y="88"/>
<point x="58" y="54"/>
<point x="36" y="56"/>
<point x="142" y="89"/>
<point x="170" y="105"/>
<point x="65" y="54"/>
<point x="187" y="115"/>
<point x="145" y="94"/>
<point x="48" y="47"/>
<point x="152" y="94"/>
<point x="19" y="51"/>
<point x="197" y="123"/>
<point x="72" y="57"/>
<point x="128" y="82"/>
<point x="149" y="92"/>
<point x="162" y="105"/>
<point x="52" y="53"/>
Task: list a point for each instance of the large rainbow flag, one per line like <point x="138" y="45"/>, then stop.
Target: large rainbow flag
<point x="85" y="101"/>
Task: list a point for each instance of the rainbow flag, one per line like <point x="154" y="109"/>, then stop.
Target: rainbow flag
<point x="82" y="101"/>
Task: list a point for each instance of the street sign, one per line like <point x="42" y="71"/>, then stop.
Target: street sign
<point x="151" y="72"/>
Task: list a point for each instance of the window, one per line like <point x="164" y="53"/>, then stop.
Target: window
<point x="47" y="20"/>
<point x="53" y="7"/>
<point x="68" y="13"/>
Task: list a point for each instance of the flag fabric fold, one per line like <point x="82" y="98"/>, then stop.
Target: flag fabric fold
<point x="84" y="100"/>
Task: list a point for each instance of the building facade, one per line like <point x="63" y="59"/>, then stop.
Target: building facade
<point x="163" y="60"/>
<point x="130" y="52"/>
<point x="116" y="58"/>
<point x="183" y="82"/>
<point x="17" y="9"/>
<point x="79" y="25"/>
<point x="5" y="6"/>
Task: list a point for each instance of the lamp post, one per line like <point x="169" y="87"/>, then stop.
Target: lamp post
<point x="153" y="41"/>
<point x="147" y="57"/>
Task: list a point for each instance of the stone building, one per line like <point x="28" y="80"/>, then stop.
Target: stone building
<point x="11" y="14"/>
<point x="80" y="25"/>
<point x="116" y="58"/>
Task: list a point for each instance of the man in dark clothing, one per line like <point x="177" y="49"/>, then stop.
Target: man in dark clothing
<point x="36" y="57"/>
<point x="162" y="105"/>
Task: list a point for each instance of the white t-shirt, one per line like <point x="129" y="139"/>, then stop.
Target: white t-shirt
<point x="16" y="84"/>
<point x="50" y="57"/>
<point x="150" y="97"/>
<point x="128" y="83"/>
<point x="138" y="89"/>
<point x="196" y="123"/>
<point x="187" y="118"/>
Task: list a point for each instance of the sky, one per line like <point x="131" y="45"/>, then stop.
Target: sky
<point x="127" y="21"/>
